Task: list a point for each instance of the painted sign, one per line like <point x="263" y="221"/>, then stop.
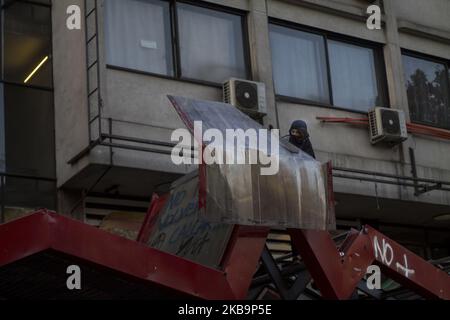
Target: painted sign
<point x="181" y="229"/>
<point x="384" y="253"/>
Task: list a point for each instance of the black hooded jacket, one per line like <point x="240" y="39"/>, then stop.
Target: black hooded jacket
<point x="305" y="144"/>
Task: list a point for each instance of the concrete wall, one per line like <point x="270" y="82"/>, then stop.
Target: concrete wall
<point x="139" y="108"/>
<point x="430" y="13"/>
<point x="69" y="71"/>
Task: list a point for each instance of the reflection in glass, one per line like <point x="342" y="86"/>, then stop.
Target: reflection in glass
<point x="427" y="85"/>
<point x="27" y="40"/>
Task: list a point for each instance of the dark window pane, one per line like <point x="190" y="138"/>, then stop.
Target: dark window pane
<point x="29" y="131"/>
<point x="427" y="86"/>
<point x="353" y="76"/>
<point x="138" y="35"/>
<point x="211" y="44"/>
<point x="27" y="50"/>
<point x="24" y="195"/>
<point x="299" y="64"/>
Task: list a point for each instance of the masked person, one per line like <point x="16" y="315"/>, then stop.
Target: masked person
<point x="299" y="137"/>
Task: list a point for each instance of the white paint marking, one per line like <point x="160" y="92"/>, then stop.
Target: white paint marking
<point x="404" y="268"/>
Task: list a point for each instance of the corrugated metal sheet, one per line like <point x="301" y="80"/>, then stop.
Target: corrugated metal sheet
<point x="295" y="197"/>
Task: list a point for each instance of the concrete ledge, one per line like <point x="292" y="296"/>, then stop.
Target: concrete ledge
<point x="415" y="29"/>
<point x="339" y="9"/>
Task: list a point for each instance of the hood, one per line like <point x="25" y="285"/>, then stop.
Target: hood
<point x="300" y="125"/>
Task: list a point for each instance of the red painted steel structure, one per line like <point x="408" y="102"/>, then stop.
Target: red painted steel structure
<point x="44" y="230"/>
<point x="336" y="272"/>
<point x="238" y="266"/>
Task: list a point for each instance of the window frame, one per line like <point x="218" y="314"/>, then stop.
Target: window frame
<point x="379" y="62"/>
<point x="437" y="60"/>
<point x="175" y="42"/>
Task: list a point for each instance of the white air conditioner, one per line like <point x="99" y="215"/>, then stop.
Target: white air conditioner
<point x="245" y="95"/>
<point x="387" y="125"/>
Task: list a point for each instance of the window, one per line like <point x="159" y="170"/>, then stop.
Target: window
<point x="428" y="90"/>
<point x="27" y="117"/>
<point x="321" y="68"/>
<point x="176" y="39"/>
<point x="353" y="76"/>
<point x="27" y="44"/>
<point x="27" y="148"/>
<point x="24" y="195"/>
<point x="29" y="126"/>
<point x="138" y="35"/>
<point x="299" y="64"/>
<point x="211" y="44"/>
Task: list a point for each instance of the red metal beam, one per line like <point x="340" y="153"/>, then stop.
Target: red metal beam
<point x="407" y="268"/>
<point x="338" y="271"/>
<point x="24" y="237"/>
<point x="241" y="256"/>
<point x="44" y="230"/>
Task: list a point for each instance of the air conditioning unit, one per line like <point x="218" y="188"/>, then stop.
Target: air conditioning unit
<point x="387" y="125"/>
<point x="245" y="95"/>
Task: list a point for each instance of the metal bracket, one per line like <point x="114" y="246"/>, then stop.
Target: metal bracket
<point x="420" y="189"/>
<point x="424" y="189"/>
<point x="286" y="293"/>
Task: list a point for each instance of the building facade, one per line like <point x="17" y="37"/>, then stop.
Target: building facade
<point x="88" y="133"/>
